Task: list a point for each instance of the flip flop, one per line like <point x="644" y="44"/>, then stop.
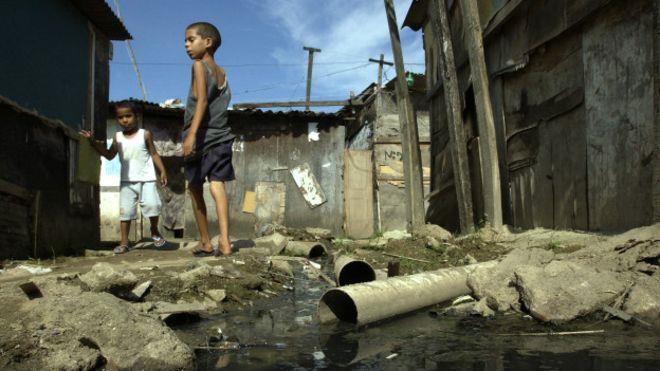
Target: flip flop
<point x="199" y="253"/>
<point x="121" y="249"/>
<point x="159" y="241"/>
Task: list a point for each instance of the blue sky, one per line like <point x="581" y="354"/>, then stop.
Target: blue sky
<point x="261" y="46"/>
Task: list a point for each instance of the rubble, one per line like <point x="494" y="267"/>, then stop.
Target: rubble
<point x="319" y="232"/>
<point x="217" y="295"/>
<point x="140" y="290"/>
<point x="89" y="324"/>
<point x="564" y="290"/>
<point x="495" y="284"/>
<point x="282" y="267"/>
<point x="275" y="242"/>
<point x="110" y="278"/>
<point x="434" y="231"/>
<point x="644" y="298"/>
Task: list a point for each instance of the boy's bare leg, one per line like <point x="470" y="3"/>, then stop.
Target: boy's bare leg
<point x="199" y="209"/>
<point x="153" y="220"/>
<point x="124" y="227"/>
<point x="222" y="209"/>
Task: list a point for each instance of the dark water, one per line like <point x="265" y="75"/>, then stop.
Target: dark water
<point x="281" y="334"/>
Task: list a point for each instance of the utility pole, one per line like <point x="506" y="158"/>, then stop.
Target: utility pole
<point x="380" y="62"/>
<point x="412" y="166"/>
<point x="310" y="64"/>
<point x="131" y="55"/>
<point x="457" y="144"/>
<point x="485" y="121"/>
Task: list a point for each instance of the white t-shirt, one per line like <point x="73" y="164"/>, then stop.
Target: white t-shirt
<point x="136" y="162"/>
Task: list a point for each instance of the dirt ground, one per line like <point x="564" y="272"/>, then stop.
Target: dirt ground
<point x="58" y="338"/>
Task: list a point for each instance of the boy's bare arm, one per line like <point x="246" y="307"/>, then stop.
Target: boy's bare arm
<point x="99" y="146"/>
<point x="199" y="79"/>
<point x="155" y="157"/>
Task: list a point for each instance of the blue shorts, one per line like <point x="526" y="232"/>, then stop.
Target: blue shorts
<point x="214" y="165"/>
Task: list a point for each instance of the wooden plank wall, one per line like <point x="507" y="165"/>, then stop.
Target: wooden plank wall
<point x="573" y="100"/>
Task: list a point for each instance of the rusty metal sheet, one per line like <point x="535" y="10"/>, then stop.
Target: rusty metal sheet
<point x="308" y="185"/>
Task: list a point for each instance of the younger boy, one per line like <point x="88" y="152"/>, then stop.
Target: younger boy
<point x="207" y="144"/>
<point x="137" y="156"/>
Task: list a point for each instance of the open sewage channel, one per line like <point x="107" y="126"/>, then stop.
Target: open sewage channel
<point x="283" y="333"/>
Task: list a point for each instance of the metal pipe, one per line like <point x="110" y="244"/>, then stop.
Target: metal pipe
<point x="368" y="302"/>
<point x="350" y="271"/>
<point x="306" y="249"/>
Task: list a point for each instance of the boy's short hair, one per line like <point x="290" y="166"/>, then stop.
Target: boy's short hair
<point x="128" y="104"/>
<point x="205" y="29"/>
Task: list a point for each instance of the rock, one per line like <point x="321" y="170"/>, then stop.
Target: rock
<point x="495" y="283"/>
<point x="433" y="243"/>
<point x="98" y="253"/>
<point x="140" y="290"/>
<point x="303" y="320"/>
<point x="258" y="251"/>
<point x="191" y="277"/>
<point x="253" y="282"/>
<point x="216" y="295"/>
<point x="226" y="271"/>
<point x="481" y="308"/>
<point x="469" y="259"/>
<point x="164" y="309"/>
<point x="319" y="232"/>
<point x="379" y="241"/>
<point x="275" y="242"/>
<point x="644" y="298"/>
<point x="564" y="290"/>
<point x="396" y="235"/>
<point x="432" y="230"/>
<point x="94" y="325"/>
<point x="282" y="267"/>
<point x="110" y="278"/>
<point x="463" y="309"/>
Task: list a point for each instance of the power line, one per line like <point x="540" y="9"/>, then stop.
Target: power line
<point x="249" y="64"/>
<point x="131" y="55"/>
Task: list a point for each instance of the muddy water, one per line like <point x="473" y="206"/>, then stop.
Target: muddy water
<point x="281" y="334"/>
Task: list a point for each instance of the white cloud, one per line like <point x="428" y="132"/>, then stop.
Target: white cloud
<point x="346" y="31"/>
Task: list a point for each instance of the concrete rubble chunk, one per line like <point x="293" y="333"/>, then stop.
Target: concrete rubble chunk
<point x="216" y="295"/>
<point x="92" y="321"/>
<point x="164" y="309"/>
<point x="140" y="290"/>
<point x="495" y="283"/>
<point x="109" y="277"/>
<point x="396" y="235"/>
<point x="564" y="290"/>
<point x="275" y="242"/>
<point x="257" y="251"/>
<point x="282" y="267"/>
<point x="643" y="300"/>
<point x="191" y="277"/>
<point x="432" y="230"/>
<point x="319" y="232"/>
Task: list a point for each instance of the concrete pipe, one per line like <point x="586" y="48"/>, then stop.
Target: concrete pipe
<point x="368" y="302"/>
<point x="306" y="249"/>
<point x="349" y="271"/>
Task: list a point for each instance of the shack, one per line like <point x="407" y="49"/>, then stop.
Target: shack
<point x="574" y="90"/>
<point x="48" y="205"/>
<point x="270" y="148"/>
<point x="374" y="143"/>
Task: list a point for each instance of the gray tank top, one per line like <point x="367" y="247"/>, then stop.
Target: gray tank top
<point x="214" y="128"/>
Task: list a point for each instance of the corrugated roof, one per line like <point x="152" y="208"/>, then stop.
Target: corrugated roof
<point x="52" y="123"/>
<point x="416" y="15"/>
<point x="152" y="107"/>
<point x="102" y="16"/>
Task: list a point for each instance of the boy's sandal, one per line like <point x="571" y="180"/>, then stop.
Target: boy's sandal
<point x="159" y="241"/>
<point x="199" y="253"/>
<point x="121" y="249"/>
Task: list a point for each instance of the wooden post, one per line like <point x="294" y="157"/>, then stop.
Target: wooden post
<point x="380" y="62"/>
<point x="457" y="144"/>
<point x="310" y="65"/>
<point x="486" y="124"/>
<point x="412" y="166"/>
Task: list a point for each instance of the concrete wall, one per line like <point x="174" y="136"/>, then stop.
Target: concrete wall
<point x="45" y="59"/>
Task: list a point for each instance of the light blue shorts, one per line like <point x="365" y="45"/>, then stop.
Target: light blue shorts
<point x="130" y="193"/>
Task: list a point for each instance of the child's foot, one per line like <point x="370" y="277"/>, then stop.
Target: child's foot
<point x="159" y="241"/>
<point x="202" y="250"/>
<point x="121" y="249"/>
<point x="224" y="249"/>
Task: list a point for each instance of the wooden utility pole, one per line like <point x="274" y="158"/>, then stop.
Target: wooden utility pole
<point x="380" y="62"/>
<point x="310" y="65"/>
<point x="412" y="166"/>
<point x="131" y="55"/>
<point x="457" y="144"/>
<point x="485" y="121"/>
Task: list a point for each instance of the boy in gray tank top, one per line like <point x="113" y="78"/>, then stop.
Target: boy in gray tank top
<point x="207" y="138"/>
